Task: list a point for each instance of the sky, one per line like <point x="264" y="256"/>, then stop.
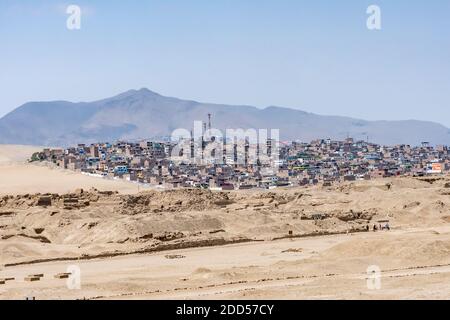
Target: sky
<point x="317" y="56"/>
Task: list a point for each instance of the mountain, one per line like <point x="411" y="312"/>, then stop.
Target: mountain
<point x="143" y="114"/>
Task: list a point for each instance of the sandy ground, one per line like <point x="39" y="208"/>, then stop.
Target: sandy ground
<point x="266" y="270"/>
<point x="192" y="244"/>
<point x="13" y="154"/>
<point x="19" y="177"/>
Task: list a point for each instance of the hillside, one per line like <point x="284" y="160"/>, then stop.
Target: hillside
<point x="143" y="114"/>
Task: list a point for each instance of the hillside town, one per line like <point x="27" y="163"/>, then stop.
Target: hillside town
<point x="319" y="162"/>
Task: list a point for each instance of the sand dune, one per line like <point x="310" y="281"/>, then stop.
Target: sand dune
<point x="19" y="177"/>
<point x="16" y="154"/>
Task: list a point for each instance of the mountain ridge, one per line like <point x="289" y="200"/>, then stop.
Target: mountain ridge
<point x="144" y="113"/>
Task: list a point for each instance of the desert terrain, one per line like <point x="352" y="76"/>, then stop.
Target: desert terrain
<point x="19" y="177"/>
<point x="293" y="243"/>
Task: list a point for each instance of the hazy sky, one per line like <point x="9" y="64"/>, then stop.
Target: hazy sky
<point x="317" y="56"/>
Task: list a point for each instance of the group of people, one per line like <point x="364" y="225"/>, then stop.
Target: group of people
<point x="379" y="227"/>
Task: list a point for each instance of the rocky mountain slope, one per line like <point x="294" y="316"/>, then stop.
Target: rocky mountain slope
<point x="143" y="114"/>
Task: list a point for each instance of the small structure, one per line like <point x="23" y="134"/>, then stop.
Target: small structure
<point x="45" y="201"/>
<point x="32" y="279"/>
<point x="318" y="216"/>
<point x="384" y="224"/>
<point x="5" y="280"/>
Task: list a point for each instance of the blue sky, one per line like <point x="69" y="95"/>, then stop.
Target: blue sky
<point x="317" y="56"/>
